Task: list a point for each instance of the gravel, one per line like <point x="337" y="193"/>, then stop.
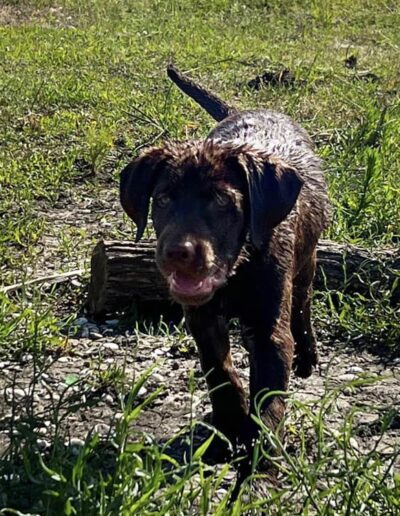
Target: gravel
<point x="91" y="360"/>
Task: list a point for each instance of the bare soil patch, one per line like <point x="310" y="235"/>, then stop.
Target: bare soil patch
<point x="55" y="16"/>
<point x="78" y="388"/>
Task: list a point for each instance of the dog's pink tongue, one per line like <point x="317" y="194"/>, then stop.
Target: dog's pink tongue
<point x="186" y="285"/>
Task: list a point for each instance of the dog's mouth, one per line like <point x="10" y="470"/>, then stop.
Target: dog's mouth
<point x="193" y="290"/>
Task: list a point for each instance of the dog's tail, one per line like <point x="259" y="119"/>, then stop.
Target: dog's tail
<point x="214" y="106"/>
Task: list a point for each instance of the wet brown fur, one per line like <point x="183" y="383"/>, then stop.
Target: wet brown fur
<point x="268" y="287"/>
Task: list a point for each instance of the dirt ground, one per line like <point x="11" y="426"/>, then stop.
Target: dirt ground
<point x="79" y="385"/>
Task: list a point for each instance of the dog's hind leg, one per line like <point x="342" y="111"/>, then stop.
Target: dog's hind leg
<point x="306" y="355"/>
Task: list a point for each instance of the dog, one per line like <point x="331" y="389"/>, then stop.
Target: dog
<point x="237" y="218"/>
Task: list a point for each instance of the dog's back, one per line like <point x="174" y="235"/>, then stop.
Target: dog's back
<point x="273" y="133"/>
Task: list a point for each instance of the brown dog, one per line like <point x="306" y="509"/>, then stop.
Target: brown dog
<point x="237" y="217"/>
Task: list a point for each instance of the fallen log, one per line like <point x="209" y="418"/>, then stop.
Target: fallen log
<point x="124" y="272"/>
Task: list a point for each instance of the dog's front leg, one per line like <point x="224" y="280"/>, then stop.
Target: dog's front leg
<point x="208" y="325"/>
<point x="271" y="357"/>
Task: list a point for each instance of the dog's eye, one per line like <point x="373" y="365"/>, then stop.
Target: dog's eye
<point x="223" y="199"/>
<point x="162" y="200"/>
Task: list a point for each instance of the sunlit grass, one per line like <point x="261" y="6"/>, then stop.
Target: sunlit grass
<point x="82" y="88"/>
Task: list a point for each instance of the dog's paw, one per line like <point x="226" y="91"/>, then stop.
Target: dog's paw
<point x="304" y="364"/>
<point x="218" y="452"/>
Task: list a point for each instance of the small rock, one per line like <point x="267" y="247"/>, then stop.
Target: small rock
<point x="102" y="428"/>
<point x="158" y="377"/>
<point x="14" y="393"/>
<point x="355" y="370"/>
<point x="64" y="359"/>
<point x="42" y="444"/>
<point x="81" y="321"/>
<point x="107" y="398"/>
<point x="353" y="443"/>
<point x="367" y="419"/>
<point x="95" y="336"/>
<point x="75" y="445"/>
<point x="142" y="391"/>
<point x="158" y="352"/>
<point x="111" y="345"/>
<point x="347" y="377"/>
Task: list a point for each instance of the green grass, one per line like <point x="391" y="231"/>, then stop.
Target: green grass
<point x="82" y="87"/>
<point x="327" y="474"/>
<point x="70" y="79"/>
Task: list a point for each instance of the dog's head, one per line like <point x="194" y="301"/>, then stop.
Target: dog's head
<point x="206" y="197"/>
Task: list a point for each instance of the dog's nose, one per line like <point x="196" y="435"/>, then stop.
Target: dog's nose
<point x="182" y="253"/>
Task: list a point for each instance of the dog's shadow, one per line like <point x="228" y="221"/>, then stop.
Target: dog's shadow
<point x="201" y="441"/>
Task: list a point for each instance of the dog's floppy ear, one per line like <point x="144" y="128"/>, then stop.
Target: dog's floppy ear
<point x="273" y="190"/>
<point x="137" y="183"/>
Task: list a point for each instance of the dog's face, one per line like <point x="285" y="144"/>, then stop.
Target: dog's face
<point x="206" y="196"/>
<point x="198" y="216"/>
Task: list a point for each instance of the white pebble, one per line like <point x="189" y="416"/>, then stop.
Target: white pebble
<point x="158" y="377"/>
<point x="347" y="377"/>
<point x="102" y="428"/>
<point x="16" y="393"/>
<point x="142" y="391"/>
<point x="110" y="345"/>
<point x="95" y="336"/>
<point x="75" y="444"/>
<point x="353" y="443"/>
<point x="355" y="369"/>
